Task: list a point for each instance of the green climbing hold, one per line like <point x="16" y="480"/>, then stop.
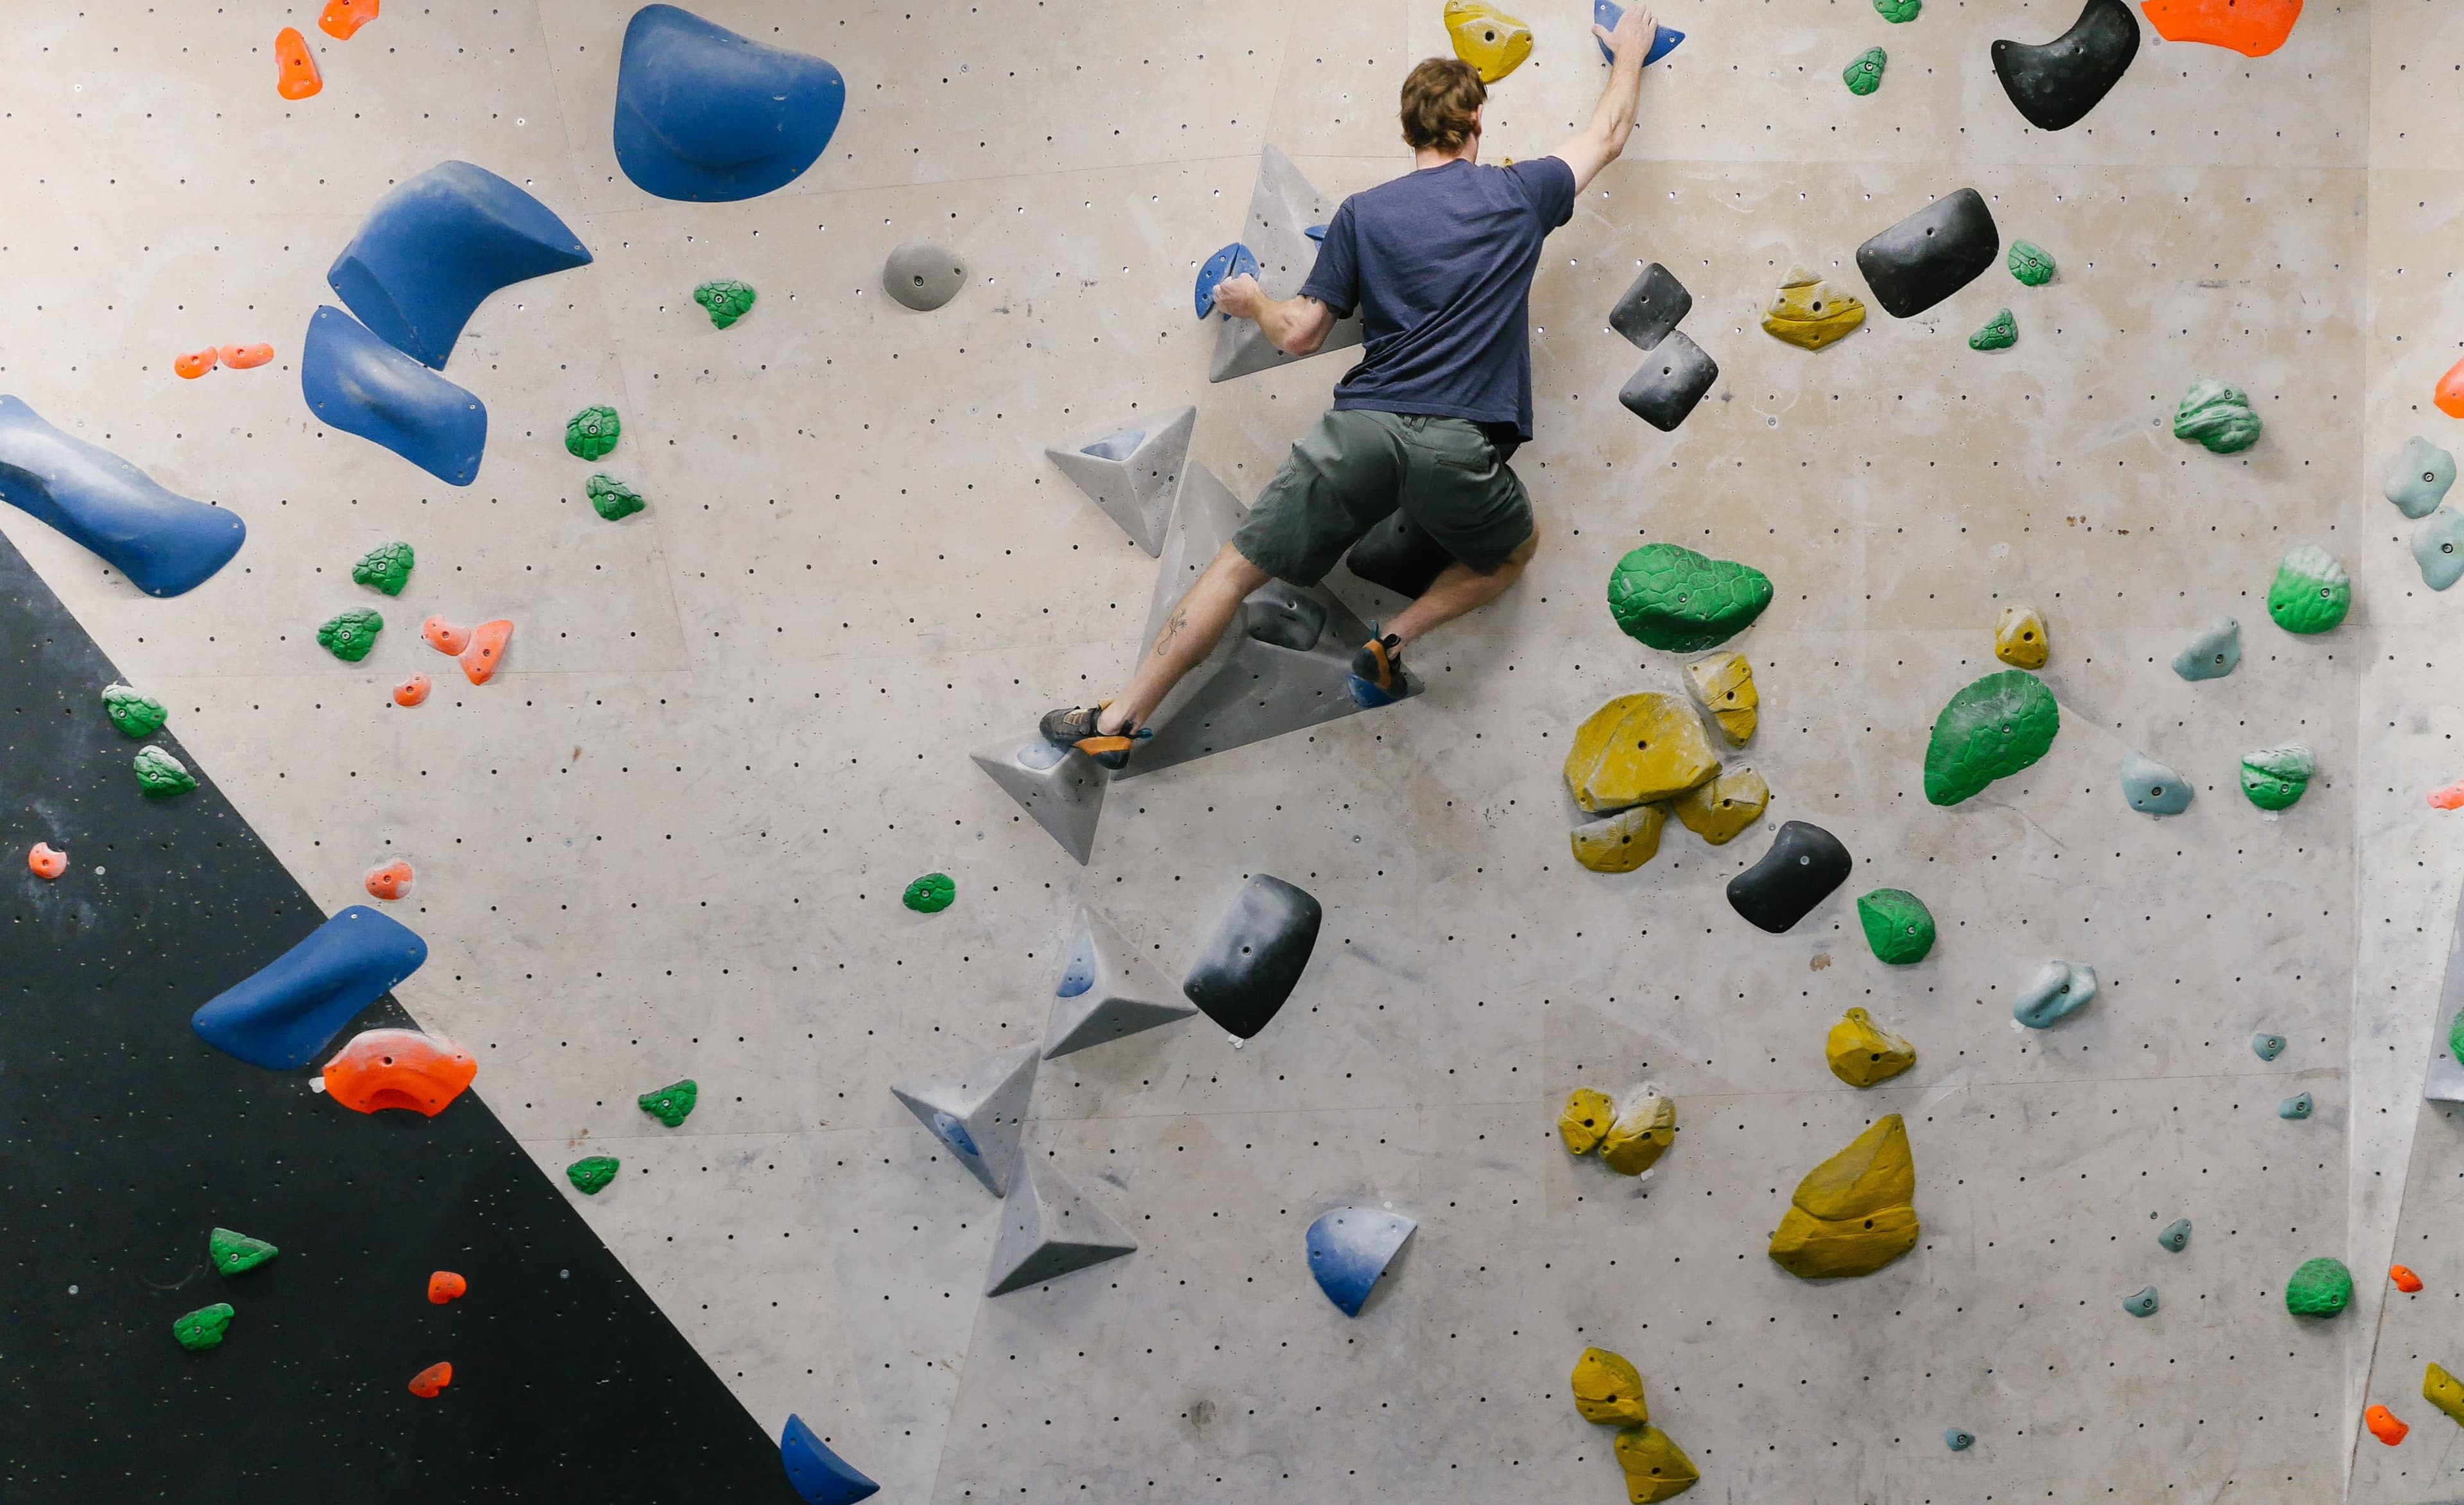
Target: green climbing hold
<point x="591" y="1174"/>
<point x="672" y="1104"/>
<point x="137" y="716"/>
<point x="1897" y="925"/>
<point x="727" y="300"/>
<point x="931" y="893"/>
<point x="2000" y="333"/>
<point x="386" y="567"/>
<point x="1994" y="728"/>
<point x="204" y="1327"/>
<point x="591" y="434"/>
<point x="2311" y="592"/>
<point x="2321" y="1287"/>
<point x="1675" y="600"/>
<point x="2031" y="263"/>
<point x="2455" y="1038"/>
<point x="2216" y="415"/>
<point x="1897" y="12"/>
<point x="160" y="773"/>
<point x="2275" y="778"/>
<point x="614" y="500"/>
<point x="1864" y="75"/>
<point x="351" y="634"/>
<point x="235" y="1253"/>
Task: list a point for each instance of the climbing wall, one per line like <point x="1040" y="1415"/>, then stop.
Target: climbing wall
<point x="669" y="838"/>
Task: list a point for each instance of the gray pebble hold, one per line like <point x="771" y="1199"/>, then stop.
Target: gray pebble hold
<point x="2419" y="481"/>
<point x="923" y="275"/>
<point x="2151" y="787"/>
<point x="2212" y="655"/>
<point x="2438" y="548"/>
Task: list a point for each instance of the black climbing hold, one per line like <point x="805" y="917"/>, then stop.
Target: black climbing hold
<point x="1276" y="613"/>
<point x="1932" y="254"/>
<point x="2057" y="84"/>
<point x="1651" y="308"/>
<point x="1256" y="957"/>
<point x="1805" y="863"/>
<point x="1399" y="555"/>
<point x="1671" y="383"/>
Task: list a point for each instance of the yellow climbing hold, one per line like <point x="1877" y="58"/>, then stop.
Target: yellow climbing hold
<point x="1608" y="1390"/>
<point x="1636" y="749"/>
<point x="1809" y="313"/>
<point x="1719" y="810"/>
<point x="1644" y="1128"/>
<point x="1623" y="842"/>
<point x="2020" y="639"/>
<point x="1862" y="1054"/>
<point x="1854" y="1213"/>
<point x="1656" y="1468"/>
<point x="1724" y="684"/>
<point x="2438" y="1386"/>
<point x="1487" y="38"/>
<point x="1584" y="1121"/>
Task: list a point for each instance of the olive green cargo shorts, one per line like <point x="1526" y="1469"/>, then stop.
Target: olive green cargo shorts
<point x="1347" y="474"/>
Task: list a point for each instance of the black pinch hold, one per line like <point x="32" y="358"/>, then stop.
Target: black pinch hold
<point x="2056" y="85"/>
<point x="1671" y="383"/>
<point x="1400" y="555"/>
<point x="1256" y="955"/>
<point x="1651" y="308"/>
<point x="1805" y="863"/>
<point x="1276" y="614"/>
<point x="1932" y="254"/>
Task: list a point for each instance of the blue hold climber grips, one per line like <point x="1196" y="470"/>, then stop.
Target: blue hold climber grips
<point x="1350" y="1247"/>
<point x="166" y="543"/>
<point x="1606" y="14"/>
<point x="283" y="1015"/>
<point x="1233" y="261"/>
<point x="432" y="250"/>
<point x="708" y="117"/>
<point x="357" y="382"/>
<point x="820" y="1476"/>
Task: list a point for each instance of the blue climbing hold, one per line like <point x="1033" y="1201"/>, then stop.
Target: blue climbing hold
<point x="1350" y="1247"/>
<point x="163" y="542"/>
<point x="283" y="1015"/>
<point x="1316" y="233"/>
<point x="1233" y="261"/>
<point x="357" y="382"/>
<point x="2295" y="1107"/>
<point x="2267" y="1046"/>
<point x="1664" y="41"/>
<point x="820" y="1476"/>
<point x="1958" y="1439"/>
<point x="707" y="116"/>
<point x="431" y="250"/>
<point x="1080" y="974"/>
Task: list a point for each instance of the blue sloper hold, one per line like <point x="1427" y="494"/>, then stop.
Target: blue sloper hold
<point x="1663" y="39"/>
<point x="163" y="542"/>
<point x="357" y="382"/>
<point x="283" y="1015"/>
<point x="1256" y="955"/>
<point x="1233" y="261"/>
<point x="706" y="116"/>
<point x="431" y="250"/>
<point x="1350" y="1247"/>
<point x="821" y="1476"/>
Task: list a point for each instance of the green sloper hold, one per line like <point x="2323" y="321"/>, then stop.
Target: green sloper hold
<point x="386" y="567"/>
<point x="727" y="300"/>
<point x="673" y="1104"/>
<point x="1864" y="75"/>
<point x="137" y="716"/>
<point x="159" y="773"/>
<point x="2216" y="415"/>
<point x="2031" y="263"/>
<point x="2275" y="778"/>
<point x="1897" y="925"/>
<point x="235" y="1253"/>
<point x="1675" y="600"/>
<point x="2311" y="592"/>
<point x="351" y="634"/>
<point x="614" y="500"/>
<point x="591" y="1174"/>
<point x="1897" y="12"/>
<point x="2319" y="1288"/>
<point x="2000" y="333"/>
<point x="1990" y="730"/>
<point x="591" y="434"/>
<point x="204" y="1327"/>
<point x="931" y="893"/>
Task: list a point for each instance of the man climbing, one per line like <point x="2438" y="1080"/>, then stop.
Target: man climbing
<point x="1440" y="263"/>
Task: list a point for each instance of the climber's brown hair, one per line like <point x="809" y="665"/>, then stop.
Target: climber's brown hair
<point x="1442" y="101"/>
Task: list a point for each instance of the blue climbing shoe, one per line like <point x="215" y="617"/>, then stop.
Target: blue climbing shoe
<point x="1378" y="671"/>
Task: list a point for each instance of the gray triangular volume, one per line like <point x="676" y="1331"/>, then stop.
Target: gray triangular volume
<point x="1108" y="990"/>
<point x="976" y="1112"/>
<point x="1049" y="1229"/>
<point x="1063" y="790"/>
<point x="1281" y="209"/>
<point x="1132" y="473"/>
<point x="1285" y="665"/>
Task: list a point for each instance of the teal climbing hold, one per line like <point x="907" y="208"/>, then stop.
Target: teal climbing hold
<point x="2268" y="1046"/>
<point x="2311" y="592"/>
<point x="614" y="500"/>
<point x="1864" y="75"/>
<point x="1669" y="597"/>
<point x="348" y="636"/>
<point x="2000" y="333"/>
<point x="2322" y="1287"/>
<point x="2419" y="481"/>
<point x="931" y="893"/>
<point x="202" y="1328"/>
<point x="1993" y="728"/>
<point x="2438" y="548"/>
<point x="160" y="774"/>
<point x="2275" y="778"/>
<point x="725" y="300"/>
<point x="2144" y="1304"/>
<point x="235" y="1253"/>
<point x="1898" y="926"/>
<point x="1954" y="1438"/>
<point x="2176" y="1235"/>
<point x="2212" y="655"/>
<point x="137" y="715"/>
<point x="2216" y="415"/>
<point x="591" y="434"/>
<point x="671" y="1104"/>
<point x="2058" y="990"/>
<point x="2031" y="263"/>
<point x="591" y="1174"/>
<point x="2295" y="1107"/>
<point x="2151" y="787"/>
<point x="386" y="567"/>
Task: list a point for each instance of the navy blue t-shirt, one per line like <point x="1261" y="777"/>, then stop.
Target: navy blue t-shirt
<point x="1440" y="264"/>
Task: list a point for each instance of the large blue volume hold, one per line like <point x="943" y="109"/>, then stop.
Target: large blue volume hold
<point x="707" y="116"/>
<point x="357" y="382"/>
<point x="283" y="1015"/>
<point x="163" y="542"/>
<point x="1608" y="14"/>
<point x="431" y="250"/>
<point x="1350" y="1247"/>
<point x="820" y="1476"/>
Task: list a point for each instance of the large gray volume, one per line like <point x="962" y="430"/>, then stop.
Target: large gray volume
<point x="1133" y="475"/>
<point x="1049" y="1229"/>
<point x="1108" y="990"/>
<point x="1059" y="786"/>
<point x="1259" y="948"/>
<point x="978" y="1111"/>
<point x="1281" y="209"/>
<point x="923" y="275"/>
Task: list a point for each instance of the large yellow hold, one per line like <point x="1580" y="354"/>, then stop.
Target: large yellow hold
<point x="1724" y="684"/>
<point x="1608" y="1390"/>
<point x="2438" y="1388"/>
<point x="1487" y="38"/>
<point x="1720" y="811"/>
<point x="1862" y="1052"/>
<point x="1854" y="1212"/>
<point x="1645" y="1126"/>
<point x="1809" y="313"/>
<point x="1656" y="1468"/>
<point x="1584" y="1121"/>
<point x="1623" y="842"/>
<point x="1637" y="750"/>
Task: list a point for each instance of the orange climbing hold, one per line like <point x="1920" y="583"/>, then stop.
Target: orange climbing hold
<point x="246" y="357"/>
<point x="2450" y="396"/>
<point x="46" y="863"/>
<point x="444" y="636"/>
<point x="429" y="1380"/>
<point x="345" y="17"/>
<point x="2405" y="1279"/>
<point x="399" y="1069"/>
<point x="410" y="692"/>
<point x="196" y="363"/>
<point x="2251" y="27"/>
<point x="2384" y="1425"/>
<point x="390" y="881"/>
<point x="2450" y="798"/>
<point x="488" y="642"/>
<point x="296" y="77"/>
<point x="445" y="1286"/>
